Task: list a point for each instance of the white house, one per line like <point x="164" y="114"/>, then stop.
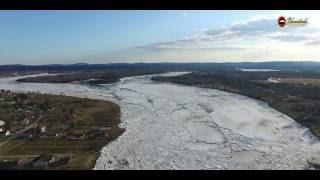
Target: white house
<point x="274" y="80"/>
<point x="43" y="129"/>
<point x="7" y="133"/>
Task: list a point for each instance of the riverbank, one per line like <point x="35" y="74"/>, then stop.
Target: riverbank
<point x="292" y="93"/>
<point x="41" y="131"/>
<point x="89" y="77"/>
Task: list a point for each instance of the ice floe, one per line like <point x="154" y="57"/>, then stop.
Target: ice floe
<point x="172" y="126"/>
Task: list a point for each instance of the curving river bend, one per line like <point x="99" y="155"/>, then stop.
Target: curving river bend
<point x="171" y="126"/>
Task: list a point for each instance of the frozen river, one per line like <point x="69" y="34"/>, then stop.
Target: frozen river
<point x="172" y="126"/>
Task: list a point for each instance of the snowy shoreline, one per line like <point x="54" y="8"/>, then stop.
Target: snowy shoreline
<point x="172" y="126"/>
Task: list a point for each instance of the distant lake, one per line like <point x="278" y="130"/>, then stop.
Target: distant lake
<point x="257" y="70"/>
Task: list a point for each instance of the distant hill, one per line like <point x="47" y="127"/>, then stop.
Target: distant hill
<point x="279" y="65"/>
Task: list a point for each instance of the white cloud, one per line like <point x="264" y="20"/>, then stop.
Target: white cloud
<point x="252" y="30"/>
<point x="256" y="39"/>
<point x="313" y="43"/>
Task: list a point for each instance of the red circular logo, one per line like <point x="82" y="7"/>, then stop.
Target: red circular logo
<point x="282" y="21"/>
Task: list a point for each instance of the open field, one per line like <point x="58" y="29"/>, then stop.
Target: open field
<point x="298" y="81"/>
<point x="82" y="153"/>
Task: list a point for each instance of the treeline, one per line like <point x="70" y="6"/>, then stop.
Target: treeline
<point x="278" y="65"/>
<point x="119" y="67"/>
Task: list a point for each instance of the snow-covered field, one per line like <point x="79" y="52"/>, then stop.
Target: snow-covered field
<point x="172" y="126"/>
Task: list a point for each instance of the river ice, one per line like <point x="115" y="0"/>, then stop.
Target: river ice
<point x="171" y="126"/>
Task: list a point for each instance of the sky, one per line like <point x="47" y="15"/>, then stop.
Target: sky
<point x="66" y="37"/>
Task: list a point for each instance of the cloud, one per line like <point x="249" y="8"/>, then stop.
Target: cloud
<point x="313" y="43"/>
<point x="287" y="37"/>
<point x="169" y="45"/>
<point x="248" y="28"/>
<point x="174" y="46"/>
<point x="265" y="27"/>
<point x="251" y="30"/>
<point x="254" y="39"/>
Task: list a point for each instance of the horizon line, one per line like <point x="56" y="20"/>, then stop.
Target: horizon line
<point x="171" y="62"/>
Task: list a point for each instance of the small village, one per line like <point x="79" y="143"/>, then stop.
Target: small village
<point x="29" y="118"/>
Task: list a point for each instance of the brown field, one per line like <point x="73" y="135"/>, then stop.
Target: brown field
<point x="83" y="154"/>
<point x="315" y="82"/>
